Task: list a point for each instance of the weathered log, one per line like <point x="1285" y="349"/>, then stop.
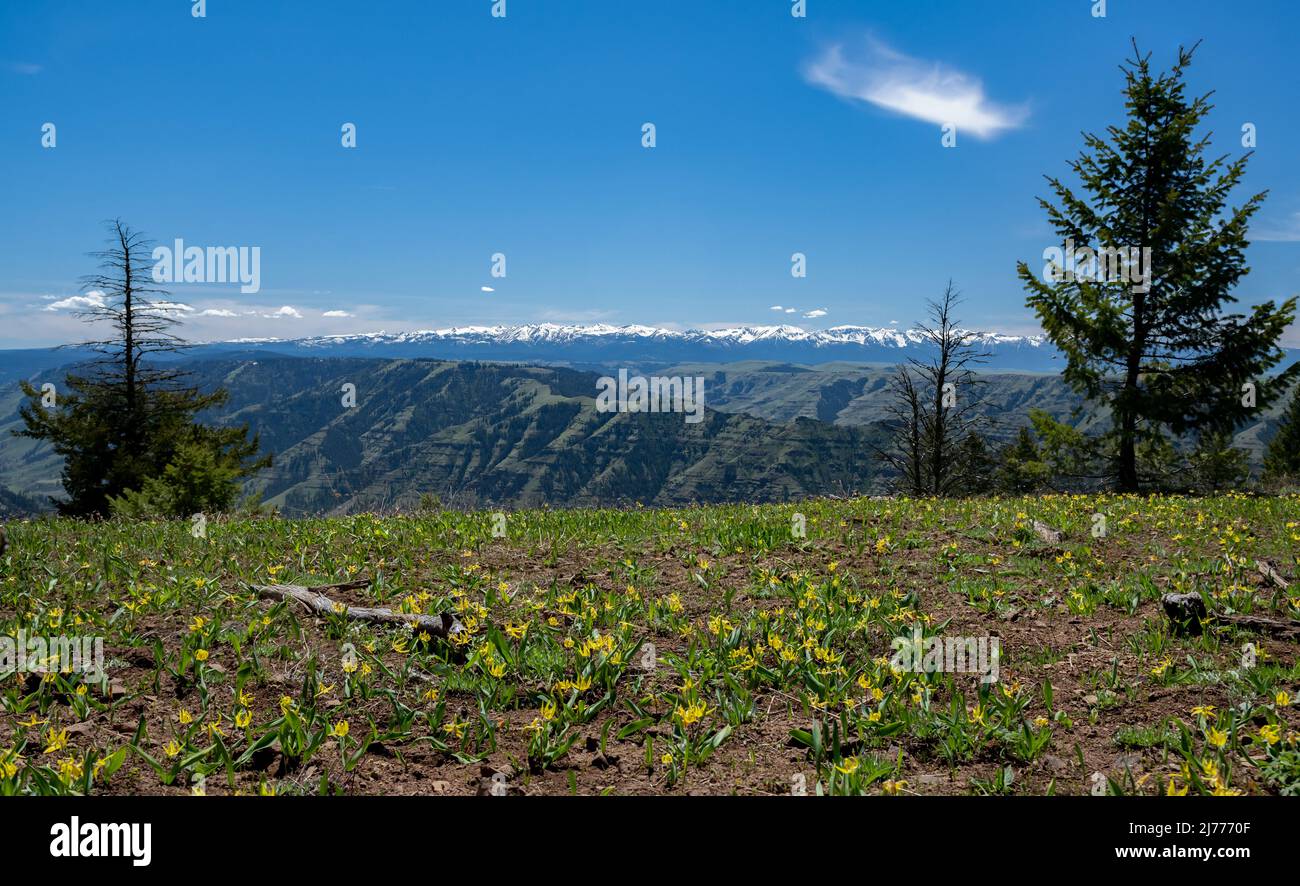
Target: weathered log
<point x="1263" y="625"/>
<point x="442" y="625"/>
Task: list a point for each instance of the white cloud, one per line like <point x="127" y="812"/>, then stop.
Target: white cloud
<point x="791" y="310"/>
<point x="92" y="299"/>
<point x="95" y="299"/>
<point x="486" y="289"/>
<point x="813" y="315"/>
<point x="286" y="311"/>
<point x="777" y="308"/>
<point x="336" y="314"/>
<point x="929" y="91"/>
<point x="217" y="312"/>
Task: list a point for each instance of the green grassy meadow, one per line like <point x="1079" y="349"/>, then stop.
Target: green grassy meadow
<point x="709" y="650"/>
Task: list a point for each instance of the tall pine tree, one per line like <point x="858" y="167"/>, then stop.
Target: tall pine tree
<point x="1166" y="357"/>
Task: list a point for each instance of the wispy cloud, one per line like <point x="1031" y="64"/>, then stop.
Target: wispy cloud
<point x="173" y="307"/>
<point x="930" y="91"/>
<point x="1286" y="232"/>
<point x="595" y="315"/>
<point x="27" y="68"/>
<point x="814" y="314"/>
<point x="336" y="314"/>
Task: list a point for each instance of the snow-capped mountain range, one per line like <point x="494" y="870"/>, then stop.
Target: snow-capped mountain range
<point x="605" y="345"/>
<point x="609" y="344"/>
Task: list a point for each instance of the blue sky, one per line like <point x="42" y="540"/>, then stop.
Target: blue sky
<point x="479" y="135"/>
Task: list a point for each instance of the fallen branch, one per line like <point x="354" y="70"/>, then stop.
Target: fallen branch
<point x="443" y="625"/>
<point x="1269" y="571"/>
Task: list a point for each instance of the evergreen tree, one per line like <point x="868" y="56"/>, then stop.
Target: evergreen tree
<point x="1282" y="458"/>
<point x="1217" y="466"/>
<point x="124" y="417"/>
<point x="1157" y="346"/>
<point x="1022" y="469"/>
<point x="976" y="467"/>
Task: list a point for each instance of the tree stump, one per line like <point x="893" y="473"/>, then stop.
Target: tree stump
<point x="1185" y="613"/>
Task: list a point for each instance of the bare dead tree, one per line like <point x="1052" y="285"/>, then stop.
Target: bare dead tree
<point x="906" y="451"/>
<point x="137" y="312"/>
<point x="950" y="381"/>
<point x="936" y="406"/>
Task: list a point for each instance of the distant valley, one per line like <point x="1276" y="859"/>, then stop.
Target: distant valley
<point x="486" y="434"/>
<point x="480" y="435"/>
